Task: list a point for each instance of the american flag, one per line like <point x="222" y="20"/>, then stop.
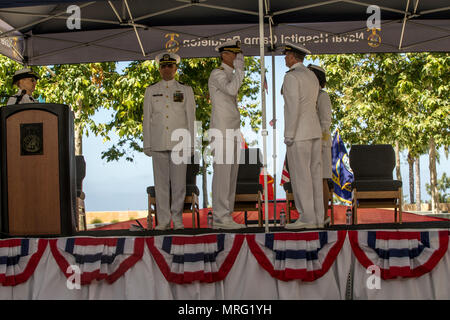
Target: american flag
<point x="244" y="144"/>
<point x="265" y="84"/>
<point x="284" y="174"/>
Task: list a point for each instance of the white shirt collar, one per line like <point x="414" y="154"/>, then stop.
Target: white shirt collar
<point x="227" y="67"/>
<point x="168" y="83"/>
<point x="298" y="64"/>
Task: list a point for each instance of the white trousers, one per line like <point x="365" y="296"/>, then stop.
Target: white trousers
<point x="305" y="170"/>
<point x="224" y="180"/>
<point x="169" y="177"/>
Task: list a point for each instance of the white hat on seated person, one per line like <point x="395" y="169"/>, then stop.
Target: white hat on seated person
<point x="230" y="46"/>
<point x="313" y="66"/>
<point x="166" y="58"/>
<point x="320" y="74"/>
<point x="290" y="47"/>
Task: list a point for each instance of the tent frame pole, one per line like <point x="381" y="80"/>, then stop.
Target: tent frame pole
<point x="274" y="133"/>
<point x="274" y="112"/>
<point x="263" y="104"/>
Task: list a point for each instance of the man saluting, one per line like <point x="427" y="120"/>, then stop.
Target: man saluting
<point x="168" y="105"/>
<point x="224" y="84"/>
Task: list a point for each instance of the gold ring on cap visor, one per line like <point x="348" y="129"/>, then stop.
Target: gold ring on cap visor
<point x="235" y="50"/>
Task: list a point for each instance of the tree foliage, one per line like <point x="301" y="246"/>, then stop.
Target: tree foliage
<point x="83" y="87"/>
<point x="392" y="98"/>
<point x="383" y="98"/>
<point x="443" y="184"/>
<point x="7" y="69"/>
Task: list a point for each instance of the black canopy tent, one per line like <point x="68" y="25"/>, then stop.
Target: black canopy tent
<point x="37" y="32"/>
<point x="45" y="32"/>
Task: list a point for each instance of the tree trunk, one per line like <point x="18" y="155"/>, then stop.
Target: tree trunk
<point x="397" y="161"/>
<point x="433" y="177"/>
<point x="418" y="197"/>
<point x="78" y="131"/>
<point x="398" y="172"/>
<point x="411" y="177"/>
<point x="204" y="182"/>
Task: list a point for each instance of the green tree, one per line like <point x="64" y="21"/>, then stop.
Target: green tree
<point x="83" y="87"/>
<point x="400" y="99"/>
<point x="425" y="88"/>
<point x="7" y="69"/>
<point x="443" y="185"/>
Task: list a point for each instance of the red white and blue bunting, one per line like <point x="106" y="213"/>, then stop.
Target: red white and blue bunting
<point x="306" y="256"/>
<point x="185" y="259"/>
<point x="97" y="258"/>
<point x="19" y="258"/>
<point x="286" y="256"/>
<point x="404" y="254"/>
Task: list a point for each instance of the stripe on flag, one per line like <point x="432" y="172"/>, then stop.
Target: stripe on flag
<point x="290" y="256"/>
<point x="285" y="177"/>
<point x="265" y="84"/>
<point x="399" y="253"/>
<point x="205" y="258"/>
<point x="19" y="258"/>
<point x="97" y="258"/>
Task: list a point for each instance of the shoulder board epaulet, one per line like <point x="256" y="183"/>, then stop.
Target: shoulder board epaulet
<point x="290" y="70"/>
<point x="181" y="83"/>
<point x="221" y="68"/>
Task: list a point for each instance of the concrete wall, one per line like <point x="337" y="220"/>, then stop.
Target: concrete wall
<point x="445" y="207"/>
<point x="109" y="216"/>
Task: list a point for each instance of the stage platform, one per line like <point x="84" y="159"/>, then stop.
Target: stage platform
<point x="366" y="261"/>
<point x="370" y="217"/>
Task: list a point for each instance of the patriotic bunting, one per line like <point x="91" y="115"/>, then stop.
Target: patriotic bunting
<point x="97" y="258"/>
<point x="399" y="253"/>
<point x="206" y="258"/>
<point x="306" y="256"/>
<point x="286" y="256"/>
<point x="19" y="258"/>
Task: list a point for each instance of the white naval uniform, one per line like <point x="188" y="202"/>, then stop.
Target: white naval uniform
<point x="25" y="99"/>
<point x="300" y="90"/>
<point x="324" y="112"/>
<point x="224" y="84"/>
<point x="168" y="105"/>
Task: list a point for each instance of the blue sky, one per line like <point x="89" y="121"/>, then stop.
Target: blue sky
<point x="121" y="185"/>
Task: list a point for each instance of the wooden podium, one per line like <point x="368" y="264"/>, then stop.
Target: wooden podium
<point x="38" y="185"/>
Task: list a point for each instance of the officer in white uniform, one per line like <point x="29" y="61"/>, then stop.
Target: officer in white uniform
<point x="168" y="105"/>
<point x="25" y="79"/>
<point x="302" y="136"/>
<point x="224" y="83"/>
<point x="324" y="112"/>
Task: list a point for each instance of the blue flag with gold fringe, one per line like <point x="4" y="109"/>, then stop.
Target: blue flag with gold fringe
<point x="341" y="172"/>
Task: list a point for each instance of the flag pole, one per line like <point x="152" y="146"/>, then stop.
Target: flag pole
<point x="263" y="105"/>
<point x="274" y="151"/>
<point x="274" y="114"/>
